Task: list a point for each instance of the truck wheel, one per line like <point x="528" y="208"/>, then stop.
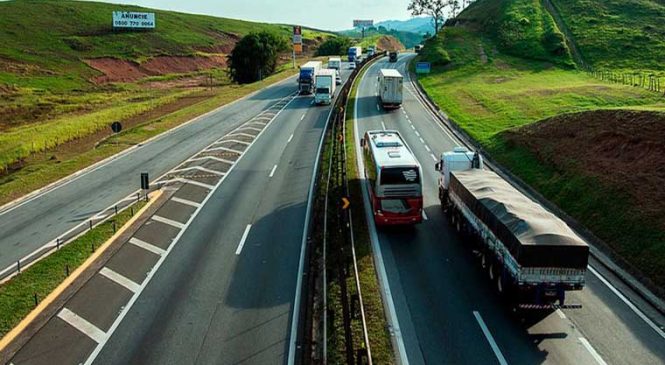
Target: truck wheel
<point x="499" y="284"/>
<point x="483" y="260"/>
<point x="491" y="272"/>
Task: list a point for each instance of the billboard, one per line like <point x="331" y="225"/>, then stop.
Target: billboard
<point x="133" y="20"/>
<point x="363" y="23"/>
<point x="297" y="34"/>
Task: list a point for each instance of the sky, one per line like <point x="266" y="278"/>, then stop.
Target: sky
<point x="322" y="14"/>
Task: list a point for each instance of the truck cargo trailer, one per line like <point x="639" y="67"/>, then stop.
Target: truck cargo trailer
<point x="335" y="63"/>
<point x="325" y="86"/>
<point x="355" y="53"/>
<point x="530" y="254"/>
<point x="390" y="88"/>
<point x="307" y="76"/>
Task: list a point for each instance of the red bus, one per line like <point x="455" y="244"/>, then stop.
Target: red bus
<point x="394" y="177"/>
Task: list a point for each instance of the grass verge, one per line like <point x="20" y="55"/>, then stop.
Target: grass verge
<point x="17" y="296"/>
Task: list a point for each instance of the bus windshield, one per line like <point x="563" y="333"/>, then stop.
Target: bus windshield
<point x="400" y="175"/>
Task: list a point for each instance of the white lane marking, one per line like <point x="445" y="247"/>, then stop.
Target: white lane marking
<point x="161" y="260"/>
<point x="220" y="141"/>
<point x="222" y="149"/>
<point x="303" y="117"/>
<point x="119" y="279"/>
<point x="214" y="158"/>
<point x="240" y="134"/>
<point x="250" y="128"/>
<point x="628" y="303"/>
<point x="170" y="222"/>
<point x="272" y="172"/>
<point x="186" y="202"/>
<point x="311" y="103"/>
<point x="427" y="148"/>
<point x="412" y="127"/>
<point x="592" y="351"/>
<point x="422" y="140"/>
<point x="82" y="325"/>
<point x="146" y="246"/>
<point x="199" y="168"/>
<point x="417" y="133"/>
<point x="383" y="126"/>
<point x="193" y="182"/>
<point x="490" y="339"/>
<point x="243" y="239"/>
<point x="290" y="138"/>
<point x="433" y="157"/>
<point x="377" y="107"/>
<point x="560" y="313"/>
<point x="425" y="217"/>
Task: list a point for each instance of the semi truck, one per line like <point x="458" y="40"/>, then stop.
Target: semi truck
<point x="335" y="63"/>
<point x="418" y="48"/>
<point x="532" y="257"/>
<point x="390" y="88"/>
<point x="307" y="76"/>
<point x="325" y="86"/>
<point x="355" y="53"/>
<point x="392" y="56"/>
<point x="370" y="51"/>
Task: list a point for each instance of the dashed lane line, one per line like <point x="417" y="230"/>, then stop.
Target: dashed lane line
<point x="290" y="138"/>
<point x="272" y="172"/>
<point x="243" y="239"/>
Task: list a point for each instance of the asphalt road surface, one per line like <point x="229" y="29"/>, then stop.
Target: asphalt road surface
<point x="447" y="310"/>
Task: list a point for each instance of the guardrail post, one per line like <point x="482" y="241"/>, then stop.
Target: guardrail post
<point x="18" y="266"/>
<point x="36" y="300"/>
<point x="138" y="197"/>
<point x="90" y="224"/>
<point x="66" y="270"/>
<point x="116" y="210"/>
<point x="57" y="243"/>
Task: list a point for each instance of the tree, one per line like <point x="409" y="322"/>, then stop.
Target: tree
<point x="454" y="7"/>
<point x="433" y="8"/>
<point x="334" y="46"/>
<point x="255" y="56"/>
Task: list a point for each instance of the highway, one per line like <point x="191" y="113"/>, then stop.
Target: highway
<point x="446" y="309"/>
<point x="32" y="223"/>
<point x="212" y="276"/>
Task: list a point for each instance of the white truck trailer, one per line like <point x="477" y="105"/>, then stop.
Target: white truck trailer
<point x="532" y="257"/>
<point x="335" y="63"/>
<point x="390" y="88"/>
<point x="325" y="86"/>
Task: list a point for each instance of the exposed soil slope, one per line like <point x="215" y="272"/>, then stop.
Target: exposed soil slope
<point x="117" y="70"/>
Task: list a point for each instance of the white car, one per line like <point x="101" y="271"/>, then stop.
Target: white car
<point x="352" y="65"/>
<point x="338" y="79"/>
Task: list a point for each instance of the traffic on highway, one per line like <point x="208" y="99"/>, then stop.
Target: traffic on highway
<point x="317" y="207"/>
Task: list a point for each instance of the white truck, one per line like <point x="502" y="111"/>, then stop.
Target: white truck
<point x="335" y="63"/>
<point x="390" y="88"/>
<point x="307" y="76"/>
<point x="325" y="86"/>
<point x="531" y="256"/>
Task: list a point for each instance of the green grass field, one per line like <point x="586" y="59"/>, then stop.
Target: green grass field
<point x="503" y="75"/>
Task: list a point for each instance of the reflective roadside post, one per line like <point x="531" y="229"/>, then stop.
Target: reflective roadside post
<point x="145" y="184"/>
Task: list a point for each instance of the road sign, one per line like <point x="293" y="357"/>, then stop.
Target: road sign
<point x="345" y="203"/>
<point x="297" y="48"/>
<point x="357" y="23"/>
<point x="297" y="34"/>
<point x="423" y="67"/>
<point x="135" y="20"/>
<point x="145" y="182"/>
<point x="116" y="127"/>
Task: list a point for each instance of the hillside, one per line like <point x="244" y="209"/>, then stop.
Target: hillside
<point x="407" y="39"/>
<point x="420" y="25"/>
<point x="45" y="44"/>
<point x="503" y="72"/>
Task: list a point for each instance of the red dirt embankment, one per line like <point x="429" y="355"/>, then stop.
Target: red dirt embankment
<point x="623" y="148"/>
<point x="117" y="70"/>
<point x="388" y="43"/>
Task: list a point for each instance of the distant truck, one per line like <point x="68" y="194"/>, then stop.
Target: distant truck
<point x="355" y="53"/>
<point x="392" y="56"/>
<point x="418" y="48"/>
<point x="370" y="51"/>
<point x="335" y="63"/>
<point x="532" y="257"/>
<point x="325" y="86"/>
<point x="307" y="76"/>
<point x="390" y="88"/>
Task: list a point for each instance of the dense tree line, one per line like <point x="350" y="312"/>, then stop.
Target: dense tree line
<point x="334" y="46"/>
<point x="255" y="56"/>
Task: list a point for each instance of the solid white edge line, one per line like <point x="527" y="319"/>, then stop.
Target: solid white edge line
<point x="243" y="239"/>
<point x="303" y="246"/>
<point x="185" y="202"/>
<point x="82" y="325"/>
<point x="630" y="305"/>
<point x="384" y="284"/>
<point x="170" y="222"/>
<point x="147" y="246"/>
<point x="8" y="207"/>
<point x="425" y="217"/>
<point x="592" y="351"/>
<point x="119" y="279"/>
<point x="560" y="313"/>
<point x="490" y="339"/>
<point x="272" y="172"/>
<point x="151" y="273"/>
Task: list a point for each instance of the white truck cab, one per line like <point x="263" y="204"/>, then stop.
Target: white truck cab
<point x="459" y="159"/>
